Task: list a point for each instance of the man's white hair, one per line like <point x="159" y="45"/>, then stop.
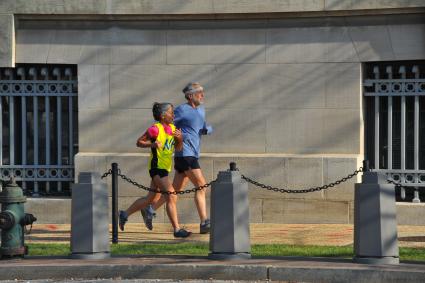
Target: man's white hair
<point x="192" y="88"/>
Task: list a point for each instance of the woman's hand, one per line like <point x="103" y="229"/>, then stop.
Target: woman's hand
<point x="156" y="144"/>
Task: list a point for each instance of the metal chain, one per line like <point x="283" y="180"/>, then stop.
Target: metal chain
<point x="140" y="186"/>
<point x="249" y="180"/>
<point x="109" y="172"/>
<point x="309" y="190"/>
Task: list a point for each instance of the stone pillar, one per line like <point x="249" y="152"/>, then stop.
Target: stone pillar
<point x="375" y="223"/>
<point x="89" y="218"/>
<point x="229" y="235"/>
<point x="7" y="40"/>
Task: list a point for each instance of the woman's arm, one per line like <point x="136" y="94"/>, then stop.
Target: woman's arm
<point x="145" y="140"/>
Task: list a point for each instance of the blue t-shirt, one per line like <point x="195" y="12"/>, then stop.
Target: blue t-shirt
<point x="192" y="123"/>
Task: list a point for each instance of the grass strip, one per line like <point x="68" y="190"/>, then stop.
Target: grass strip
<point x="201" y="249"/>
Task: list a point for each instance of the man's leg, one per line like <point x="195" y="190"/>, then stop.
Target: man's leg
<point x="198" y="179"/>
<point x="180" y="181"/>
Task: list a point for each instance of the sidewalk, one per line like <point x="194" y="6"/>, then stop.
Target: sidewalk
<point x="286" y="269"/>
<point x="292" y="234"/>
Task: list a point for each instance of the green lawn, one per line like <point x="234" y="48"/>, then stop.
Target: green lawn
<point x="417" y="254"/>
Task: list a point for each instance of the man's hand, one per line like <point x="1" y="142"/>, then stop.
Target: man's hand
<point x="207" y="130"/>
<point x="178" y="135"/>
<point x="178" y="138"/>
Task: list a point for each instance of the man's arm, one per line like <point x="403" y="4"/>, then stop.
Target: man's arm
<point x="207" y="129"/>
<point x="177" y="115"/>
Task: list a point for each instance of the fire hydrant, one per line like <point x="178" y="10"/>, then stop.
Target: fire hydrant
<point x="13" y="220"/>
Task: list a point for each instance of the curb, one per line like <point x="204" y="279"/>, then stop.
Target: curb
<point x="185" y="267"/>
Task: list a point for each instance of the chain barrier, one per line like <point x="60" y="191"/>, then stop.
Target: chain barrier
<point x="314" y="189"/>
<point x="249" y="180"/>
<point x="140" y="186"/>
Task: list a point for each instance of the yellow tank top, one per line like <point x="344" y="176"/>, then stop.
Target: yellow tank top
<point x="162" y="158"/>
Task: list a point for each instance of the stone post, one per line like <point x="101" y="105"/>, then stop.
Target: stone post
<point x="7" y="40"/>
<point x="375" y="223"/>
<point x="89" y="218"/>
<point x="229" y="235"/>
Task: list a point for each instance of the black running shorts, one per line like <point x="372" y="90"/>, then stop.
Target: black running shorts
<point x="185" y="163"/>
<point x="160" y="172"/>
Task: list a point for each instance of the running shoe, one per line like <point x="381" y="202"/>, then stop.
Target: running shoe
<point x="182" y="233"/>
<point x="148" y="214"/>
<point x="205" y="228"/>
<point x="122" y="219"/>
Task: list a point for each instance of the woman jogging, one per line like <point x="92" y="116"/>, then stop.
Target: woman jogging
<point x="161" y="137"/>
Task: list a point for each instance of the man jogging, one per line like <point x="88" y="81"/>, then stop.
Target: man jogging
<point x="190" y="118"/>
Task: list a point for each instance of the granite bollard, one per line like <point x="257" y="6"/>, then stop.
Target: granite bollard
<point x="375" y="223"/>
<point x="229" y="236"/>
<point x="89" y="218"/>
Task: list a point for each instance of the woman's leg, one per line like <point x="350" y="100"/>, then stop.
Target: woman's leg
<point x="171" y="199"/>
<point x="179" y="183"/>
<point x="143" y="202"/>
<point x="165" y="185"/>
<point x="139" y="204"/>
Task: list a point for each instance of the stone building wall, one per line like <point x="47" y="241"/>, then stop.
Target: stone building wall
<point x="283" y="86"/>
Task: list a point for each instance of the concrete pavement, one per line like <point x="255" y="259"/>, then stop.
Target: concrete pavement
<point x="293" y="269"/>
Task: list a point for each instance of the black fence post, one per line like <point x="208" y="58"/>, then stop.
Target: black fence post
<point x="366" y="167"/>
<point x="233" y="166"/>
<point x="114" y="203"/>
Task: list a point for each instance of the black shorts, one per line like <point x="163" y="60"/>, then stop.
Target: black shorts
<point x="160" y="172"/>
<point x="185" y="163"/>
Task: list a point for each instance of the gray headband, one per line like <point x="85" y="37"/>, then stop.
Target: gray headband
<point x="189" y="89"/>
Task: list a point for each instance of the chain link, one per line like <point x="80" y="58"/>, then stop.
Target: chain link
<point x="109" y="172"/>
<point x="140" y="186"/>
<point x="302" y="191"/>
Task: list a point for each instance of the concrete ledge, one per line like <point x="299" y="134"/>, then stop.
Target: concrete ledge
<point x="157" y="269"/>
<point x="359" y="273"/>
<point x="133" y="7"/>
<point x="409" y="212"/>
<point x="279" y="211"/>
<point x="186" y="267"/>
<point x="49" y="210"/>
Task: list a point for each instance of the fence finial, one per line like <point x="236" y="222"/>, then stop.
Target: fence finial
<point x="233" y="166"/>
